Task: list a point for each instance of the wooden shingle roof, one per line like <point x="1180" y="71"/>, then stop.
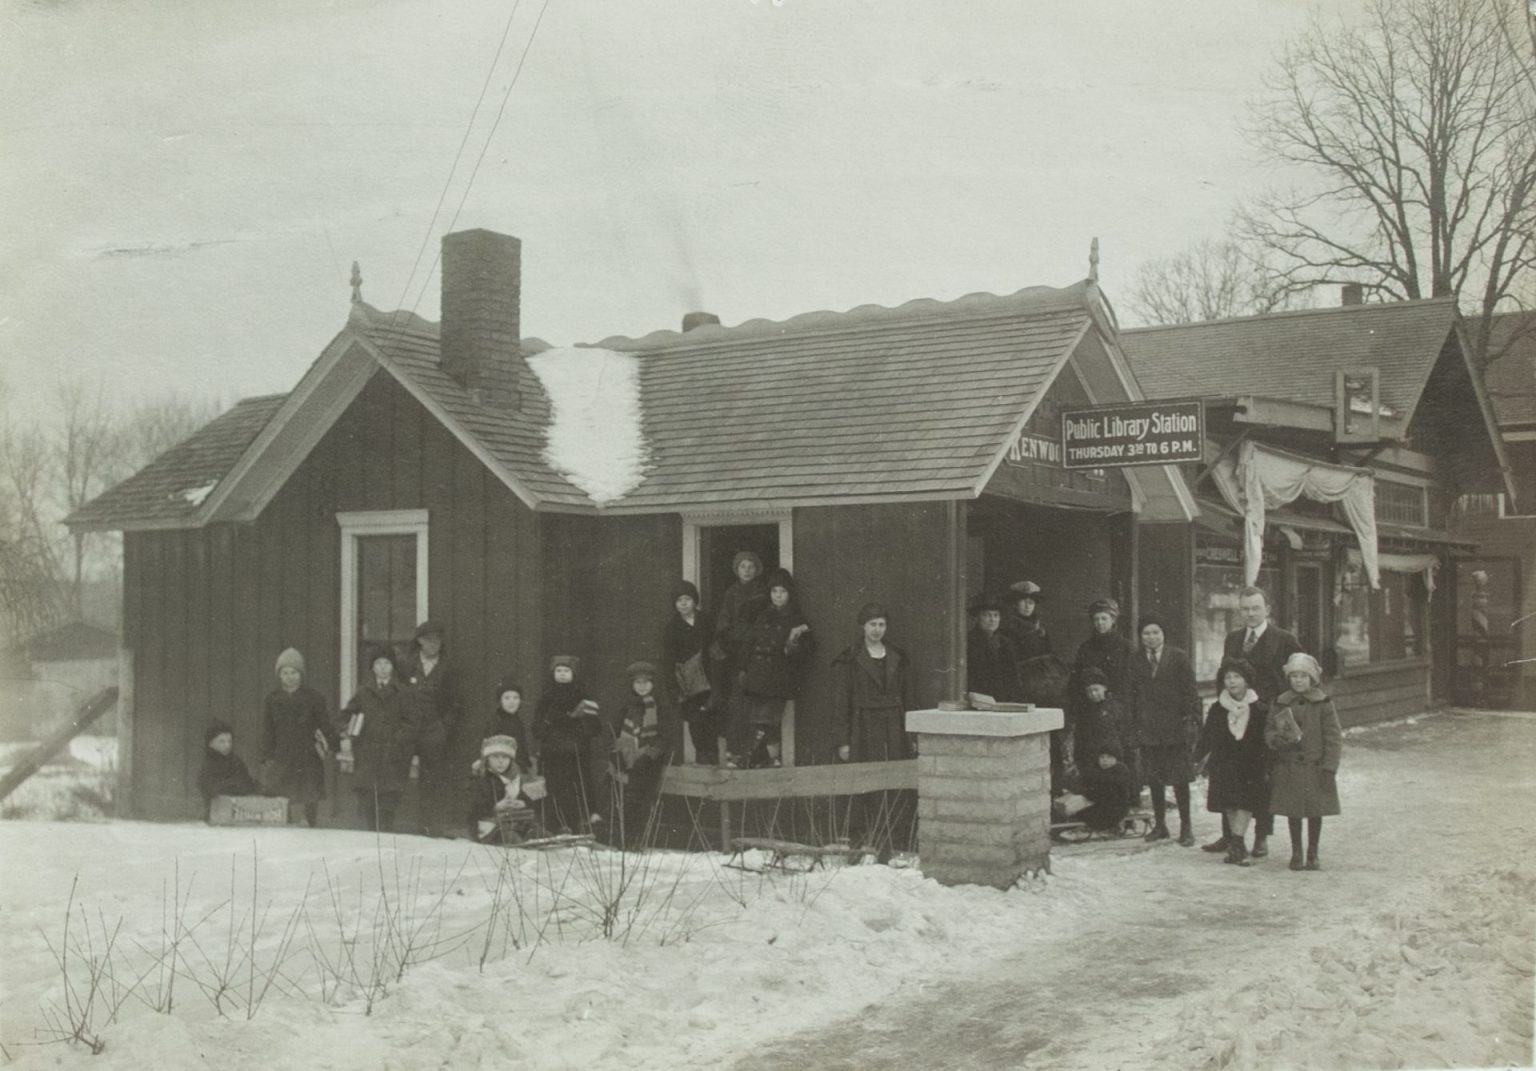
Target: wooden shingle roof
<point x="875" y="404"/>
<point x="171" y="488"/>
<point x="1511" y="379"/>
<point x="1294" y="355"/>
<point x="911" y="402"/>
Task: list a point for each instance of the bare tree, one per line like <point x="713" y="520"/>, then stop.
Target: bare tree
<point x="31" y="598"/>
<point x="1418" y="129"/>
<point x="154" y="426"/>
<point x="85" y="456"/>
<point x="1209" y="280"/>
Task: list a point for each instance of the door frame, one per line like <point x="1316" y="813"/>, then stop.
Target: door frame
<point x="355" y="525"/>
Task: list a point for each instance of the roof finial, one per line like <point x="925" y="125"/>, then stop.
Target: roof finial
<point x="357" y="284"/>
<point x="1093" y="261"/>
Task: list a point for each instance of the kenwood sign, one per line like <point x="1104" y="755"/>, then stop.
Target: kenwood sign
<point x="1136" y="433"/>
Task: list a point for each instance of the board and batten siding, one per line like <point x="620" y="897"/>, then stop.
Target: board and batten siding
<point x="206" y="611"/>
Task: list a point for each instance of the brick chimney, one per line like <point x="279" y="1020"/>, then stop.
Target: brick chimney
<point x="480" y="333"/>
<point x="1352" y="294"/>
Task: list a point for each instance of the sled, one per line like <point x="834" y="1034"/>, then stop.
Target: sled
<point x="554" y="840"/>
<point x="1135" y="824"/>
<point x="780" y="852"/>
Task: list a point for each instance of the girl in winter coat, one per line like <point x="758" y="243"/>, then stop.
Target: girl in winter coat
<point x="296" y="738"/>
<point x="223" y="773"/>
<point x="380" y="740"/>
<point x="497" y="793"/>
<point x="1101" y="719"/>
<point x="739" y="607"/>
<point x="640" y="755"/>
<point x="773" y="656"/>
<point x="1304" y="732"/>
<point x="565" y="724"/>
<point x="1165" y="709"/>
<point x="1232" y="743"/>
<point x="870" y="699"/>
<point x="685" y="651"/>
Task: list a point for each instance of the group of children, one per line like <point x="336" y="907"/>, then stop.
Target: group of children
<point x="1279" y="757"/>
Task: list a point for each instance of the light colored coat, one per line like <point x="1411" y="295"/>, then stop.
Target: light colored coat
<point x="1302" y="784"/>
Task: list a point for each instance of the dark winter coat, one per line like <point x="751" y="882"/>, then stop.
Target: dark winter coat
<point x="504" y="724"/>
<point x="1267" y="658"/>
<point x="1109" y="653"/>
<point x="739" y="608"/>
<point x="557" y="728"/>
<point x="1165" y="707"/>
<point x="224" y="775"/>
<point x="485" y="792"/>
<point x="439" y="702"/>
<point x="289" y="723"/>
<point x="992" y="665"/>
<point x="1027" y="634"/>
<point x="382" y="752"/>
<point x="681" y="641"/>
<point x="1302" y="783"/>
<point x="1238" y="768"/>
<point x="771" y="666"/>
<point x="1100" y="727"/>
<point x="650" y="734"/>
<point x="1113" y="793"/>
<point x="870" y="699"/>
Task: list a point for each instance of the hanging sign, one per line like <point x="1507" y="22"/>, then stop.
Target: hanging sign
<point x="1135" y="433"/>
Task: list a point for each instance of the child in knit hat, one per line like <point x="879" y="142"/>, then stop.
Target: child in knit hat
<point x="499" y="813"/>
<point x="297" y="738"/>
<point x="639" y="756"/>
<point x="223" y="772"/>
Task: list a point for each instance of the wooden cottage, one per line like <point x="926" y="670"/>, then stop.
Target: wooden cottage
<point x="1379" y="396"/>
<point x="909" y="455"/>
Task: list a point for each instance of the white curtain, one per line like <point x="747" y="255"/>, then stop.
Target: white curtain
<point x="1262" y="478"/>
<point x="1428" y="564"/>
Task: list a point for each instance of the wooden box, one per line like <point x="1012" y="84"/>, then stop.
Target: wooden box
<point x="248" y="811"/>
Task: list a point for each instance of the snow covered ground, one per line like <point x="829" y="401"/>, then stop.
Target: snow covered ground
<point x="1413" y="948"/>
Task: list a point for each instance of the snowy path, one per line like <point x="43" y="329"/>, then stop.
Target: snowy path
<point x="1413" y="948"/>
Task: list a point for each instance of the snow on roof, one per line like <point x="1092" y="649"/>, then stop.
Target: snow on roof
<point x="196" y="495"/>
<point x="594" y="437"/>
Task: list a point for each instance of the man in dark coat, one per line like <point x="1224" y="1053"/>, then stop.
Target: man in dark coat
<point x="439" y="707"/>
<point x="1265" y="646"/>
<point x="991" y="659"/>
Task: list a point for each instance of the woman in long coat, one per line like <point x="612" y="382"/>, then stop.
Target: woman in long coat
<point x="296" y="737"/>
<point x="1165" y="710"/>
<point x="1232" y="742"/>
<point x="382" y="742"/>
<point x="870" y="678"/>
<point x="773" y="658"/>
<point x="1305" y="734"/>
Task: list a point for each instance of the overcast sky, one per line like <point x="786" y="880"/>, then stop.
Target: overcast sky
<point x="185" y="184"/>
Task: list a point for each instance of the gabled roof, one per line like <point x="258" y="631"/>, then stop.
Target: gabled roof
<point x="1511" y="379"/>
<point x="1294" y="355"/>
<point x="912" y="402"/>
<point x="875" y="404"/>
<point x="169" y="491"/>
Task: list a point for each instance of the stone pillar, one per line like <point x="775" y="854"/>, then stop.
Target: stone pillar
<point x="983" y="793"/>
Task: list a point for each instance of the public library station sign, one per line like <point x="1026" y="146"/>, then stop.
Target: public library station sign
<point x="1135" y="433"/>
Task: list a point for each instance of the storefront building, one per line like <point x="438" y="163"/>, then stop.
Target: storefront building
<point x="1336" y="442"/>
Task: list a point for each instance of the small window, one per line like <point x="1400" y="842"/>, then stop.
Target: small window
<point x="1400" y="503"/>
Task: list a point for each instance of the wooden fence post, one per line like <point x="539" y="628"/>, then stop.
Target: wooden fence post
<point x="124" y="807"/>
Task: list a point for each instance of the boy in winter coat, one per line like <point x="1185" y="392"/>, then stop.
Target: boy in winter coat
<point x="507" y="720"/>
<point x="565" y="723"/>
<point x="380" y="742"/>
<point x="1109" y="786"/>
<point x="223" y="773"/>
<point x="296" y="738"/>
<point x="1304" y="732"/>
<point x="685" y="643"/>
<point x="773" y="656"/>
<point x="639" y="756"/>
<point x="1101" y="720"/>
<point x="497" y="794"/>
<point x="439" y="708"/>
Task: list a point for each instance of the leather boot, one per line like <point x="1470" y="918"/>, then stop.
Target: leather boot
<point x="1296" y="860"/>
<point x="1186" y="835"/>
<point x="1159" y="832"/>
<point x="1260" y="846"/>
<point x="1312" y="863"/>
<point x="1220" y="844"/>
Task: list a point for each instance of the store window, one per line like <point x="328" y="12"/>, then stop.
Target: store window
<point x="1218" y="579"/>
<point x="1385" y="625"/>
